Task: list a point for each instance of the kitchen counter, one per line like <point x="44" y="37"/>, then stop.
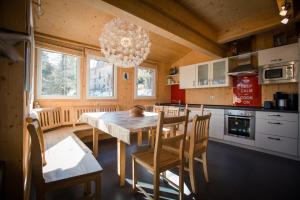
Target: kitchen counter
<point x="231" y="107"/>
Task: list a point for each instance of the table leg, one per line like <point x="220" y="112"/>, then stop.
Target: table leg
<point x="121" y="161"/>
<point x="140" y="138"/>
<point x="95" y="142"/>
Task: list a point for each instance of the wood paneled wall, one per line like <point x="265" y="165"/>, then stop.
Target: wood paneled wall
<point x="267" y="91"/>
<point x="125" y="88"/>
<point x="14" y="106"/>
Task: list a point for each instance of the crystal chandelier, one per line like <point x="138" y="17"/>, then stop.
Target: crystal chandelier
<point x="124" y="44"/>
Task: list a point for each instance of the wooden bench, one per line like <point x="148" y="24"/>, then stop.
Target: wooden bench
<point x="67" y="162"/>
<point x="52" y="119"/>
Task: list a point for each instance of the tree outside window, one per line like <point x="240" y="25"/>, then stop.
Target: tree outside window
<point x="58" y="75"/>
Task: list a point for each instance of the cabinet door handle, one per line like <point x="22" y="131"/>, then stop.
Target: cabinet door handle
<point x="274" y="60"/>
<point x="272" y="138"/>
<point x="274" y="115"/>
<point x="278" y="123"/>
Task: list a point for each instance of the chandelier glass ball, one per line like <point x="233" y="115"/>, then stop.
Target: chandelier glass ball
<point x="124" y="44"/>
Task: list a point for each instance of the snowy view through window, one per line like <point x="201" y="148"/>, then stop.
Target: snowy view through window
<point x="59" y="74"/>
<point x="101" y="79"/>
<point x="145" y="82"/>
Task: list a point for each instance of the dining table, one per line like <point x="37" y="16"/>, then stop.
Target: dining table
<point x="122" y="126"/>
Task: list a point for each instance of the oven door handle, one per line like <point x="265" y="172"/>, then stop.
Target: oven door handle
<point x="242" y="117"/>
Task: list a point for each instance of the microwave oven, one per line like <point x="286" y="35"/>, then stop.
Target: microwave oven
<point x="279" y="73"/>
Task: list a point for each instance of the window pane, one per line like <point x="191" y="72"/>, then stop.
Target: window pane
<point x="145" y="82"/>
<point x="101" y="79"/>
<point x="59" y="74"/>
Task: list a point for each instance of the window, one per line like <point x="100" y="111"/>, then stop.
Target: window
<point x="145" y="82"/>
<point x="58" y="75"/>
<point x="101" y="79"/>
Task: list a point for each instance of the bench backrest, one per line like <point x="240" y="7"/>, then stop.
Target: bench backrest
<point x="58" y="116"/>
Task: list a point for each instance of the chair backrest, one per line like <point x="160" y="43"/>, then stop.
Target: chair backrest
<point x="158" y="108"/>
<point x="159" y="141"/>
<point x="37" y="149"/>
<point x="172" y="111"/>
<point x="199" y="135"/>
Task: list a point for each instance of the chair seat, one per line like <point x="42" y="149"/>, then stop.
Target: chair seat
<point x="173" y="147"/>
<point x="167" y="159"/>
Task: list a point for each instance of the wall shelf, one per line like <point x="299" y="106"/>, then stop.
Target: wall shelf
<point x="172" y="79"/>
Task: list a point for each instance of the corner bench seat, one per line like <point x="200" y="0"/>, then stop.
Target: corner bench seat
<point x="68" y="160"/>
<point x="54" y="136"/>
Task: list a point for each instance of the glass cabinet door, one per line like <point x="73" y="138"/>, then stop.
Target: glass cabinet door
<point x="202" y="72"/>
<point x="219" y="72"/>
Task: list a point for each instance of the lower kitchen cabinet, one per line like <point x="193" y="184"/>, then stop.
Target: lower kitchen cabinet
<point x="277" y="132"/>
<point x="216" y="127"/>
<point x="277" y="143"/>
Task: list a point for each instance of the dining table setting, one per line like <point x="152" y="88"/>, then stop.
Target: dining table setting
<point x="121" y="125"/>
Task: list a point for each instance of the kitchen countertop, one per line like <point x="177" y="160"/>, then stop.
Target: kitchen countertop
<point x="232" y="107"/>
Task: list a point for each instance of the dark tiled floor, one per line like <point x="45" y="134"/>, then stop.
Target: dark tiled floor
<point x="234" y="173"/>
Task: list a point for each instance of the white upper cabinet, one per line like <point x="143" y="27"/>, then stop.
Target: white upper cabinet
<point x="278" y="54"/>
<point x="219" y="71"/>
<point x="187" y="77"/>
<point x="203" y="75"/>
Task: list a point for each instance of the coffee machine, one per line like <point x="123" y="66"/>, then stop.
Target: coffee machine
<point x="286" y="101"/>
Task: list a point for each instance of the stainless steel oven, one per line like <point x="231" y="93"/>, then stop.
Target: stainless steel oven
<point x="240" y="123"/>
<point x="279" y="73"/>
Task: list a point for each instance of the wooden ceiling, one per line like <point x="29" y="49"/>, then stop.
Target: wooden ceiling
<point x="176" y="26"/>
<point x="223" y="14"/>
<point x="79" y="21"/>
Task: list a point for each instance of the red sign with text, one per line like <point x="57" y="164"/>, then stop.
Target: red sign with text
<point x="246" y="91"/>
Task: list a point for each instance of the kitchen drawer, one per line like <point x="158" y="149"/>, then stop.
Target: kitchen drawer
<point x="293" y="117"/>
<point x="276" y="143"/>
<point x="278" y="54"/>
<point x="277" y="127"/>
<point x="214" y="111"/>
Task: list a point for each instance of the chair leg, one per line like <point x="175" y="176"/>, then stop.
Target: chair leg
<point x="192" y="174"/>
<point x="149" y="136"/>
<point x="156" y="180"/>
<point x="181" y="192"/>
<point x="204" y="158"/>
<point x="133" y="174"/>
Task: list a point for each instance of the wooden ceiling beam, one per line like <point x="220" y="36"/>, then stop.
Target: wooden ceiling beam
<point x="184" y="16"/>
<point x="252" y="26"/>
<point x="153" y="19"/>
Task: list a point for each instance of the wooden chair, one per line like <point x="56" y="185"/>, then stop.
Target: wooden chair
<point x="169" y="111"/>
<point x="57" y="173"/>
<point x="158" y="160"/>
<point x="195" y="148"/>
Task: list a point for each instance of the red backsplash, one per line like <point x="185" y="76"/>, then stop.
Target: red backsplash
<point x="177" y="94"/>
<point x="246" y="91"/>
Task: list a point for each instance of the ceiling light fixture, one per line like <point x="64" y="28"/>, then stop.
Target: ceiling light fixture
<point x="284" y="8"/>
<point x="124" y="44"/>
<point x="285" y="20"/>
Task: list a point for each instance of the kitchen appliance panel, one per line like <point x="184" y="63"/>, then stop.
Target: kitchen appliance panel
<point x="240" y="123"/>
<point x="279" y="73"/>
